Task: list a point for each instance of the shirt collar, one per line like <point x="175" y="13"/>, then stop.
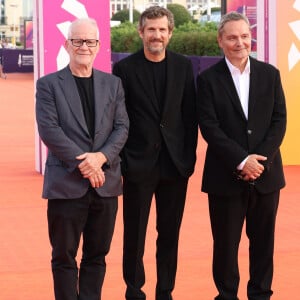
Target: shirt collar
<point x="234" y="70"/>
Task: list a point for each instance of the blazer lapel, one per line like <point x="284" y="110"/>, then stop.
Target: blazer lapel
<point x="254" y="84"/>
<point x="171" y="83"/>
<point x="100" y="99"/>
<point x="228" y="85"/>
<point x="69" y="87"/>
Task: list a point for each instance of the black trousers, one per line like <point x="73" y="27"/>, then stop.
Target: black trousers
<point x="93" y="218"/>
<point x="227" y="215"/>
<point x="170" y="197"/>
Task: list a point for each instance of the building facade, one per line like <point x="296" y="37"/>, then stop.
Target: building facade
<point x="13" y="14"/>
<point x="140" y="5"/>
<point x="194" y="6"/>
<point x="202" y="4"/>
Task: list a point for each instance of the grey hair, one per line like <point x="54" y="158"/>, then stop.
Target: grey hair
<point x="91" y="21"/>
<point x="231" y="16"/>
<point x="155" y="12"/>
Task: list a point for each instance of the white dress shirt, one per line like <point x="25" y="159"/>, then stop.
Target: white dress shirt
<point x="242" y="84"/>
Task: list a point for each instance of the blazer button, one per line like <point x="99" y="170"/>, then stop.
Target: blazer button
<point x="161" y="125"/>
<point x="249" y="131"/>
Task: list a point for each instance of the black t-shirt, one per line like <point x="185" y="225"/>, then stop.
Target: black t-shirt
<point x="158" y="71"/>
<point x="85" y="87"/>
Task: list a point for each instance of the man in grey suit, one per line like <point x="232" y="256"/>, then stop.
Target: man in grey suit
<point x="82" y="119"/>
<point x="242" y="117"/>
<point x="160" y="153"/>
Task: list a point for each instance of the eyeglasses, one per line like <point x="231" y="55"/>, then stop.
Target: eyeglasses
<point x="79" y="42"/>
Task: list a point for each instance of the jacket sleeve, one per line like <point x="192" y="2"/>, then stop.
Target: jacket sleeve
<point x="50" y="131"/>
<point x="118" y="136"/>
<point x="273" y="138"/>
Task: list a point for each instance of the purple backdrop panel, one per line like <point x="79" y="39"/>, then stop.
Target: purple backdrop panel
<point x="196" y="65"/>
<point x="17" y="60"/>
<point x="116" y="56"/>
<point x="200" y="63"/>
<point x="207" y="61"/>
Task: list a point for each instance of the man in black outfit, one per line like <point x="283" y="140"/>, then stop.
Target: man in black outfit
<point x="242" y="117"/>
<point x="160" y="153"/>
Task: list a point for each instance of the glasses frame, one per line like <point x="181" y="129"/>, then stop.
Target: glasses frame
<point x="84" y="41"/>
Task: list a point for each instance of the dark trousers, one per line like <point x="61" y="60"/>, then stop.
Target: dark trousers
<point x="93" y="217"/>
<point x="170" y="197"/>
<point x="227" y="215"/>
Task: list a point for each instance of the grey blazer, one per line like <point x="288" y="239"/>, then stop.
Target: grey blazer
<point x="62" y="127"/>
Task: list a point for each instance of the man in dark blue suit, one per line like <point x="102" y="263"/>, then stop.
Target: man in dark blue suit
<point x="82" y="119"/>
<point x="160" y="153"/>
<point x="242" y="117"/>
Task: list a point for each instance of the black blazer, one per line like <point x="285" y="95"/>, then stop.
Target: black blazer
<point x="231" y="137"/>
<point x="176" y="125"/>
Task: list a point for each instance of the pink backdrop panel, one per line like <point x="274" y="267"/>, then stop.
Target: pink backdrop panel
<point x="51" y="21"/>
<point x="247" y="7"/>
<point x="58" y="12"/>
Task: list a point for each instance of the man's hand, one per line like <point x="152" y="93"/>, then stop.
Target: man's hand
<point x="253" y="168"/>
<point x="90" y="167"/>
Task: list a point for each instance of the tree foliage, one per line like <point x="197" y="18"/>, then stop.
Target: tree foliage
<point x="181" y="14"/>
<point x="188" y="38"/>
<point x="199" y="43"/>
<point x="125" y="38"/>
<point x="123" y="15"/>
<point x="192" y="26"/>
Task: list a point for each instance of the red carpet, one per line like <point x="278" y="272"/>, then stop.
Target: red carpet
<point x="24" y="248"/>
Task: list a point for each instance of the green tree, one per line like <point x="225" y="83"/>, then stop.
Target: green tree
<point x="181" y="14"/>
<point x="192" y="26"/>
<point x="125" y="38"/>
<point x="199" y="43"/>
<point x="189" y="39"/>
<point x="123" y="15"/>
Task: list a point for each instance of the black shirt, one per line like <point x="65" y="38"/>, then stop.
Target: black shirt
<point x="85" y="87"/>
<point x="158" y="71"/>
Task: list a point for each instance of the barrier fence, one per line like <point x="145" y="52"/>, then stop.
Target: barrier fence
<point x="200" y="63"/>
<point x="21" y="60"/>
<point x="16" y="60"/>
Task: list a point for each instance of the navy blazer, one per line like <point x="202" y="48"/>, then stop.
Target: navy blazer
<point x="63" y="129"/>
<point x="175" y="124"/>
<point x="231" y="137"/>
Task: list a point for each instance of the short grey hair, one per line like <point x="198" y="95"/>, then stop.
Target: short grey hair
<point x="231" y="16"/>
<point x="79" y="21"/>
